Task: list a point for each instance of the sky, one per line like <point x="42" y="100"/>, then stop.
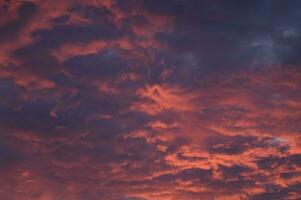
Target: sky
<point x="150" y="100"/>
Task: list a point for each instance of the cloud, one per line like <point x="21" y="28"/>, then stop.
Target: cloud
<point x="141" y="100"/>
<point x="12" y="28"/>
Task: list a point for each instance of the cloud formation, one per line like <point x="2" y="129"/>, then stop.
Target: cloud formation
<point x="145" y="99"/>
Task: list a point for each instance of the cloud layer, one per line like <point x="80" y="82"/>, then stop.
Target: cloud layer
<point x="147" y="99"/>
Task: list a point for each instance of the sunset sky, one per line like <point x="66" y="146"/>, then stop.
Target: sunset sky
<point x="150" y="100"/>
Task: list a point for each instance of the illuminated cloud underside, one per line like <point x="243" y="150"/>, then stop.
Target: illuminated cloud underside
<point x="150" y="99"/>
